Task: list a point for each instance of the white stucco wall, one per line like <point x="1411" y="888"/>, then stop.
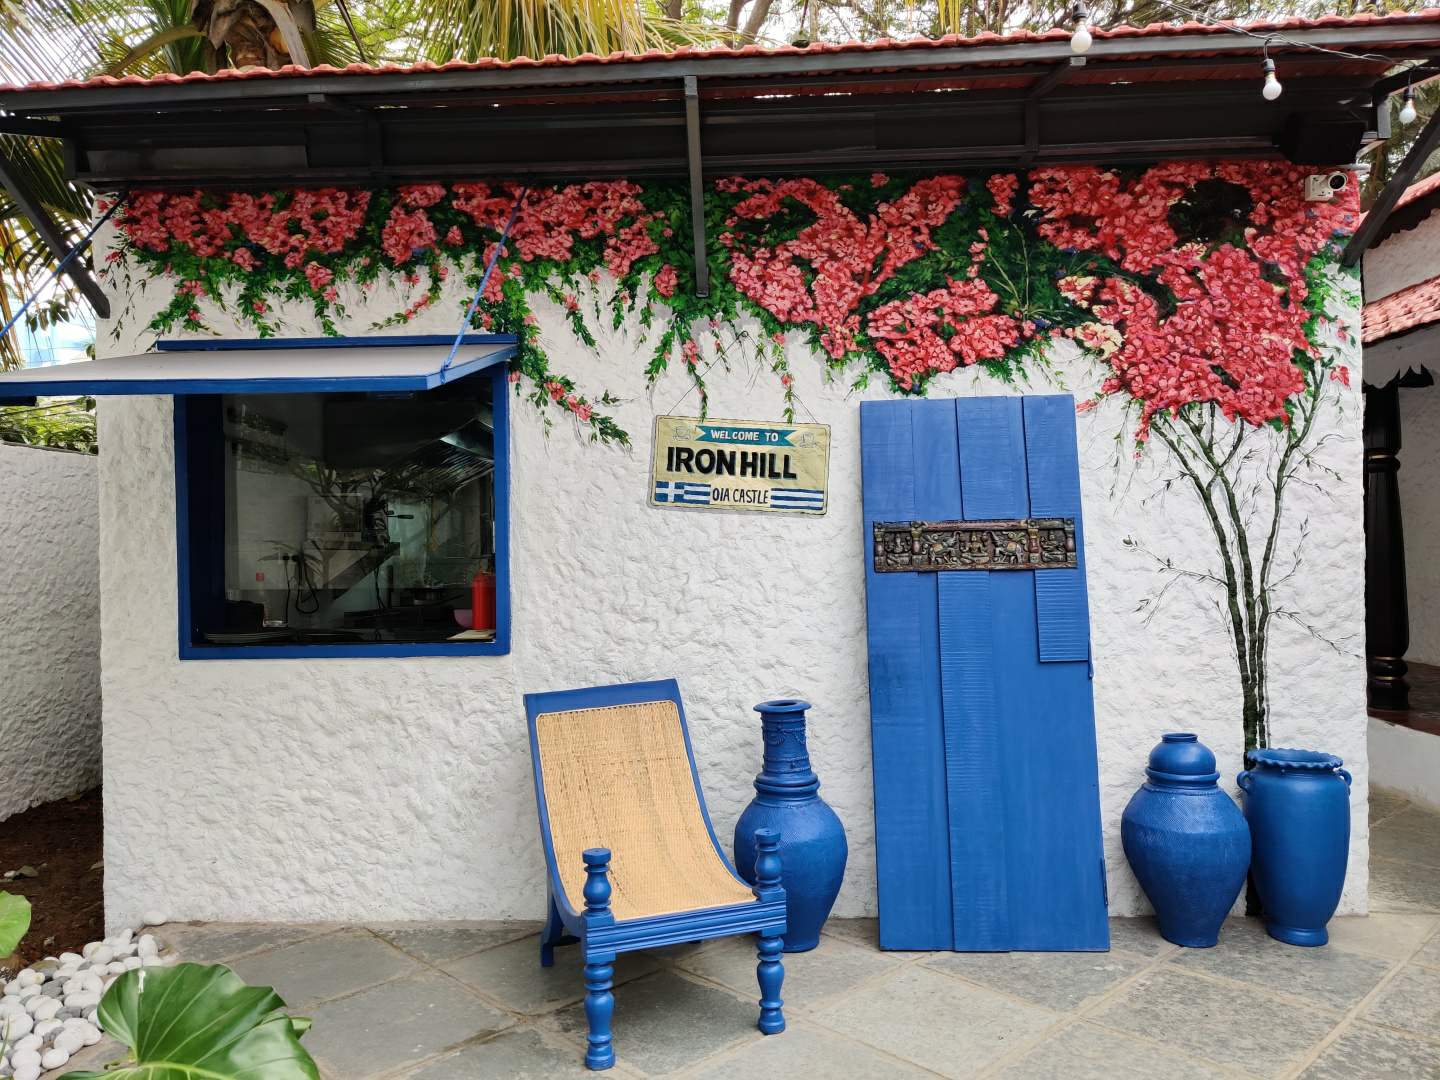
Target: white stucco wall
<point x="1403" y="259"/>
<point x="395" y="789"/>
<point x="49" y="626"/>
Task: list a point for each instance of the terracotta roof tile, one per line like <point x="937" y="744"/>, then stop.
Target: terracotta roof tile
<point x="691" y="53"/>
<point x="1416" y="305"/>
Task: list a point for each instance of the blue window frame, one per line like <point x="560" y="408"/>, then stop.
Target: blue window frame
<point x="218" y="606"/>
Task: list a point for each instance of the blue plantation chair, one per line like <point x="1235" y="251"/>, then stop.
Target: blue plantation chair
<point x="614" y="772"/>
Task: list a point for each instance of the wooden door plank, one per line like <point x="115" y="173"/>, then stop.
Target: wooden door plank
<point x="1062" y="610"/>
<point x="992" y="477"/>
<point x="911" y="832"/>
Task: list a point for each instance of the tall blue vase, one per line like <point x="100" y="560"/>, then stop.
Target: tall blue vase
<point x="812" y="840"/>
<point x="1298" y="805"/>
<point x="1187" y="841"/>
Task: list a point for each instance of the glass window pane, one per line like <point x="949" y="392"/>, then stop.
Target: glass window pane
<point x="357" y="517"/>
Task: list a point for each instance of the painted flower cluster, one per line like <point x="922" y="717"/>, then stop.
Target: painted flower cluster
<point x="1189" y="281"/>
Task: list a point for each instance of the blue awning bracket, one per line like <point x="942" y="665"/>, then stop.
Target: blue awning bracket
<point x="484" y="280"/>
<point x="269" y="366"/>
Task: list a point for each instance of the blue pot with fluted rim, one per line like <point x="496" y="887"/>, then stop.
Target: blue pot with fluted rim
<point x="1186" y="841"/>
<point x="1298" y="806"/>
<point x="813" y="848"/>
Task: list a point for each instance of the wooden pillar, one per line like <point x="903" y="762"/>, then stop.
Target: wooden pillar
<point x="1387" y="615"/>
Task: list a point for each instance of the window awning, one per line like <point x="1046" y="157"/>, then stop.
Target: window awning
<point x="276" y="366"/>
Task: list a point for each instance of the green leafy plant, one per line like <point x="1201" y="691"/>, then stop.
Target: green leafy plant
<point x="14" y="921"/>
<point x="200" y="1022"/>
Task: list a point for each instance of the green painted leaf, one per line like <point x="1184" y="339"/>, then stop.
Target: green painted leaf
<point x="199" y="1022"/>
<point x="14" y="921"/>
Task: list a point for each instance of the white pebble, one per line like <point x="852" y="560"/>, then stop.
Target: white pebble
<point x="16" y="1026"/>
<point x="46" y="1008"/>
<point x="66" y="973"/>
<point x="91" y="1033"/>
<point x="54" y="1058"/>
<point x="147" y="945"/>
<point x="122" y="951"/>
<point x="29" y="977"/>
<point x="102" y="955"/>
<point x="29" y="1072"/>
<point x="91" y="981"/>
<point x="28" y="991"/>
<point x="70" y="958"/>
<point x="88" y="950"/>
<point x="156" y="917"/>
<point x="12" y="987"/>
<point x="82" y="1001"/>
<point x="90" y="1015"/>
<point x="132" y="962"/>
<point x="20" y="1058"/>
<point x="116" y="967"/>
<point x="151" y="961"/>
<point x="46" y="1028"/>
<point x="29" y="1042"/>
<point x="70" y="1040"/>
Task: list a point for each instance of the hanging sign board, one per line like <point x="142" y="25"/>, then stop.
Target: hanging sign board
<point x="740" y="465"/>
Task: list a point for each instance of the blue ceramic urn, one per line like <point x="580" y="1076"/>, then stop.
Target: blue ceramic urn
<point x="812" y="840"/>
<point x="1298" y="805"/>
<point x="1187" y="841"/>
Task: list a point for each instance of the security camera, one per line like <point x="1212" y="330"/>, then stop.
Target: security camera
<point x="1323" y="187"/>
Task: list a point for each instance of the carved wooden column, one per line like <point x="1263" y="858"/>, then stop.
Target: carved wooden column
<point x="1387" y="614"/>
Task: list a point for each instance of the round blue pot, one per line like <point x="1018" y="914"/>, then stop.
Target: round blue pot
<point x="1298" y="806"/>
<point x="812" y="840"/>
<point x="1187" y="842"/>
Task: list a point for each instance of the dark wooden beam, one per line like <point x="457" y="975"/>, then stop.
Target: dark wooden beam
<point x="54" y="238"/>
<point x="695" y="166"/>
<point x="1374" y="222"/>
<point x="1031" y="109"/>
<point x="1387" y="614"/>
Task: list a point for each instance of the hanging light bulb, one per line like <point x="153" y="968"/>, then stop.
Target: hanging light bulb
<point x="1271" y="90"/>
<point x="1407" y="110"/>
<point x="1080" y="39"/>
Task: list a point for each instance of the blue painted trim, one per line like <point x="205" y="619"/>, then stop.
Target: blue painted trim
<point x="658" y="930"/>
<point x="188" y="650"/>
<point x="298" y="385"/>
<point x="362" y="341"/>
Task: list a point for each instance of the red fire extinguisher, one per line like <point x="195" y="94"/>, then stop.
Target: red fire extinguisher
<point x="482" y="601"/>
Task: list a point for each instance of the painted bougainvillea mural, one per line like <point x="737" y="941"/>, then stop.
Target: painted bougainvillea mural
<point x="1201" y="289"/>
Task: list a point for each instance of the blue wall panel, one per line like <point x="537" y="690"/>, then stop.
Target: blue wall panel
<point x="1017" y="767"/>
<point x="908" y="754"/>
<point x="1060" y="602"/>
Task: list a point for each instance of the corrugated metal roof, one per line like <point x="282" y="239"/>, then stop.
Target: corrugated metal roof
<point x="1136" y="35"/>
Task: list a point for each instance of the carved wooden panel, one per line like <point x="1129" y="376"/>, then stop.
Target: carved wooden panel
<point x="1014" y="544"/>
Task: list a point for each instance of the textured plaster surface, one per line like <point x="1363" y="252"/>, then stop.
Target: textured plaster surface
<point x="49" y="622"/>
<point x="400" y="788"/>
<point x="1420" y="504"/>
<point x="1404" y="259"/>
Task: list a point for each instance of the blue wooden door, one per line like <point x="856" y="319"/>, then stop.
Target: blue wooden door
<point x="987" y="813"/>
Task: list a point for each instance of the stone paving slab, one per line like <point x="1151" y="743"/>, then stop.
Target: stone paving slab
<point x="446" y="1001"/>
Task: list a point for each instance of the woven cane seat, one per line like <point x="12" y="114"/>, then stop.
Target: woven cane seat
<point x="619" y="778"/>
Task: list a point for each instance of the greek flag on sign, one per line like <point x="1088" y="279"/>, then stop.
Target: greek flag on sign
<point x="682" y="493"/>
<point x="797" y="499"/>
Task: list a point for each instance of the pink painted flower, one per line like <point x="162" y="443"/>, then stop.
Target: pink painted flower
<point x="513" y="377"/>
<point x="1340" y="374"/>
<point x="666" y="281"/>
<point x="555" y="390"/>
<point x="691" y="351"/>
<point x="318" y="276"/>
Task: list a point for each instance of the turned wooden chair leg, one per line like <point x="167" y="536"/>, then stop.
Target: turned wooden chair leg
<point x="599" y="967"/>
<point x="770" y="971"/>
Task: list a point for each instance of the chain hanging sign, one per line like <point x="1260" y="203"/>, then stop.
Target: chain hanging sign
<point x="1017" y="544"/>
<point x="740" y="465"/>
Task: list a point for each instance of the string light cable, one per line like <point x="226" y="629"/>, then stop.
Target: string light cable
<point x="1081" y="39"/>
